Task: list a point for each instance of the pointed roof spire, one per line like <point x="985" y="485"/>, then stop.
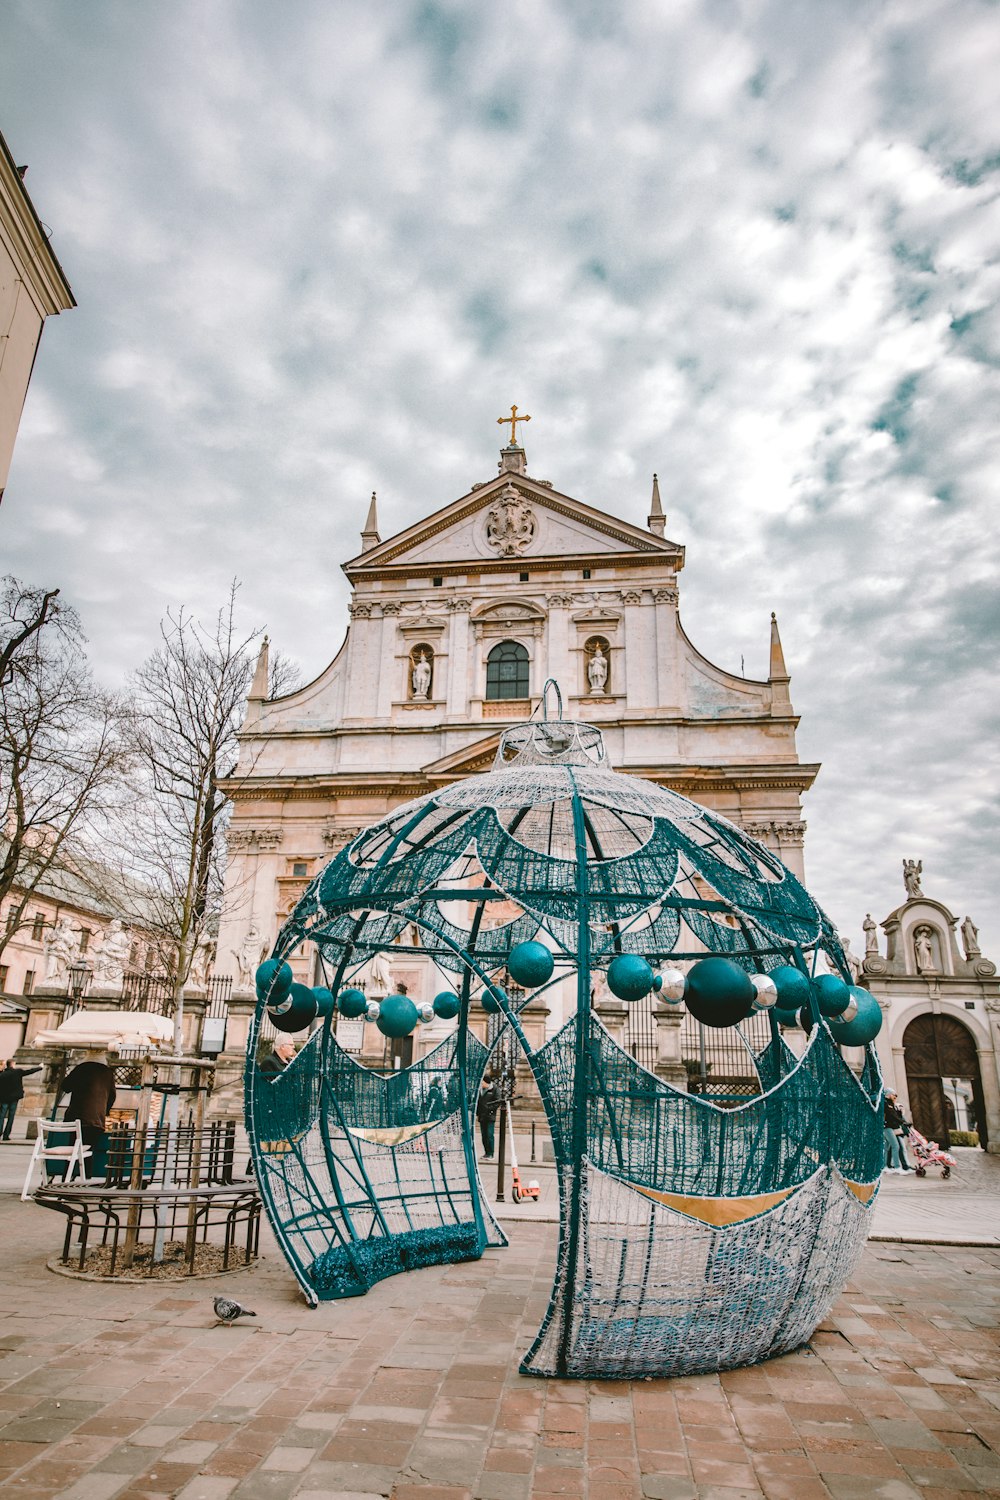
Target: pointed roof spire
<point x="656" y="521"/>
<point x="259" y="686"/>
<point x="777" y="673"/>
<point x="370" y="537"/>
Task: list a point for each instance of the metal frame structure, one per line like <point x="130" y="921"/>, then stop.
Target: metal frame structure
<point x="693" y="1235"/>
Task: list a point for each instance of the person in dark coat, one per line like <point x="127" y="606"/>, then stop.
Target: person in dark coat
<point x="91" y="1089"/>
<point x="278" y="1060"/>
<point x="487" y="1108"/>
<point x="11" y="1094"/>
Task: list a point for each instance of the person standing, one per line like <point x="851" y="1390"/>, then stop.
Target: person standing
<point x="11" y="1094"/>
<point x="892" y="1121"/>
<point x="487" y="1108"/>
<point x="91" y="1089"/>
<point x="277" y="1061"/>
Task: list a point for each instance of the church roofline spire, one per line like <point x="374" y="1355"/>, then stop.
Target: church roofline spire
<point x="656" y="521"/>
<point x="259" y="686"/>
<point x="777" y="673"/>
<point x="370" y="537"/>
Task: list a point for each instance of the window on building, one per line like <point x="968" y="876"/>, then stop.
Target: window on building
<point x="84" y="939"/>
<point x="4" y="971"/>
<point x="524" y="577"/>
<point x="586" y="572"/>
<point x="437" y="582"/>
<point x="299" y="867"/>
<point x="507" y="671"/>
<point x="37" y="927"/>
<point x="29" y="982"/>
<point x="134" y="954"/>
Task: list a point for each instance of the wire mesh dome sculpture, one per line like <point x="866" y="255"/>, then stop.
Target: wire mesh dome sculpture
<point x="692" y="1237"/>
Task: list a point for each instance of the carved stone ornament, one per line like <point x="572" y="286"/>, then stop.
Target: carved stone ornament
<point x="336" y="838"/>
<point x="510" y="523"/>
<point x="260" y="840"/>
<point x="458" y="606"/>
<point x="631" y="596"/>
<point x="359" y="611"/>
<point x="665" y="596"/>
<point x="391" y="607"/>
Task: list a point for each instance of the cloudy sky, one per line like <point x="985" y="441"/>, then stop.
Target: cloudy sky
<point x="319" y="247"/>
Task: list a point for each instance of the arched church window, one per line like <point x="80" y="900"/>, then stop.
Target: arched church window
<point x="597" y="662"/>
<point x="507" y="671"/>
<point x="421" y="673"/>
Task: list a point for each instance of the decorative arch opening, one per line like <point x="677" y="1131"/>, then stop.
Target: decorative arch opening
<point x="940" y="1055"/>
<point x="507" y="671"/>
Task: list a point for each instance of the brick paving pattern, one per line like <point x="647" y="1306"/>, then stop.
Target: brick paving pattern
<point x="129" y="1392"/>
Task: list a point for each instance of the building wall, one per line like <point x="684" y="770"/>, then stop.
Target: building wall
<point x="32" y="288"/>
<point x="320" y="764"/>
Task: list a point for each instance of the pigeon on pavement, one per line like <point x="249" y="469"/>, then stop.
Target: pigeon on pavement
<point x="227" y="1311"/>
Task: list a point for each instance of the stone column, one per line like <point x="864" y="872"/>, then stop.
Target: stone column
<point x="667" y="674"/>
<point x="640" y="651"/>
<point x="613" y="1016"/>
<point x="669" y="1065"/>
<point x="460" y="672"/>
<point x="388" y="685"/>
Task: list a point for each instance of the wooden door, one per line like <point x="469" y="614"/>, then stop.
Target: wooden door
<point x="937" y="1047"/>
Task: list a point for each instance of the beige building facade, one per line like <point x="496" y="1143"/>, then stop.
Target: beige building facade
<point x="940" y="997"/>
<point x="454" y="626"/>
<point x="32" y="288"/>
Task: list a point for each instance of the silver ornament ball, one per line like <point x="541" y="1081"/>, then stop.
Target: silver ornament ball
<point x="373" y="1010"/>
<point x="767" y="991"/>
<point x="672" y="988"/>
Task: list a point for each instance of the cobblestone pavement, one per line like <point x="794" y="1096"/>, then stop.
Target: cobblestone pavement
<point x="129" y="1392"/>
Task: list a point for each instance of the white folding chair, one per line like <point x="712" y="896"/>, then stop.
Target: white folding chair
<point x="69" y="1154"/>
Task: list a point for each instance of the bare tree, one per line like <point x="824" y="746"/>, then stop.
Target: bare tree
<point x="190" y="697"/>
<point x="63" y="748"/>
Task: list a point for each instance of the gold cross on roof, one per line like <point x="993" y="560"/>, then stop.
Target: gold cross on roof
<point x="513" y="419"/>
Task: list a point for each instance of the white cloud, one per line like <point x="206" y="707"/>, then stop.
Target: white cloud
<point x="751" y="247"/>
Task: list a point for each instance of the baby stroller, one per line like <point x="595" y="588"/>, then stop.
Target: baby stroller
<point x="927" y="1153"/>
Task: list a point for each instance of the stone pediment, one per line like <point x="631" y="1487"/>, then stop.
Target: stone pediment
<point x="510" y="519"/>
<point x="470" y="761"/>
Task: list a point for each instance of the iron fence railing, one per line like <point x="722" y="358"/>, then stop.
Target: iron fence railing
<point x="718" y="1062"/>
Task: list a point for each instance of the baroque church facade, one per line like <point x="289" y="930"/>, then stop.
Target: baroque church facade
<point x="455" y="625"/>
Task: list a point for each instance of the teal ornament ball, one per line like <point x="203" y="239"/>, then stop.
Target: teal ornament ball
<point x="629" y="977"/>
<point x="805" y="1019"/>
<point x="718" y="992"/>
<point x="297" y="1012"/>
<point x="398" y="1016"/>
<point x="274" y="980"/>
<point x="866" y="1024"/>
<point x="446" y="1005"/>
<point x="324" y="1000"/>
<point x="489" y="1001"/>
<point x="832" y="994"/>
<point x="352" y="1004"/>
<point x="793" y="989"/>
<point x="530" y="964"/>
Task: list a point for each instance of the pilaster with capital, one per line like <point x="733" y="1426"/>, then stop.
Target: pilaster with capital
<point x="669" y="1063"/>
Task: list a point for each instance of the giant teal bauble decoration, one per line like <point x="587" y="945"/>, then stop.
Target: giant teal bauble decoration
<point x="274" y="980"/>
<point x="488" y="1000"/>
<point x="398" y="1016"/>
<point x="718" y="992"/>
<point x="530" y="964"/>
<point x="296" y="1012"/>
<point x="446" y="1005"/>
<point x="324" y="1000"/>
<point x="866" y="1024"/>
<point x="352" y="1004"/>
<point x="629" y="977"/>
<point x="832" y="994"/>
<point x="793" y="990"/>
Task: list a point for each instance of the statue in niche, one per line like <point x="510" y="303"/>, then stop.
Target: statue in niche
<point x="420" y="676"/>
<point x="923" y="950"/>
<point x="970" y="939"/>
<point x="597" y="671"/>
<point x="871" y="934"/>
<point x="912" y="871"/>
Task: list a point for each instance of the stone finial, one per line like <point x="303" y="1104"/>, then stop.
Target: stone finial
<point x="259" y="688"/>
<point x="777" y="674"/>
<point x="656" y="521"/>
<point x="370" y="537"/>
